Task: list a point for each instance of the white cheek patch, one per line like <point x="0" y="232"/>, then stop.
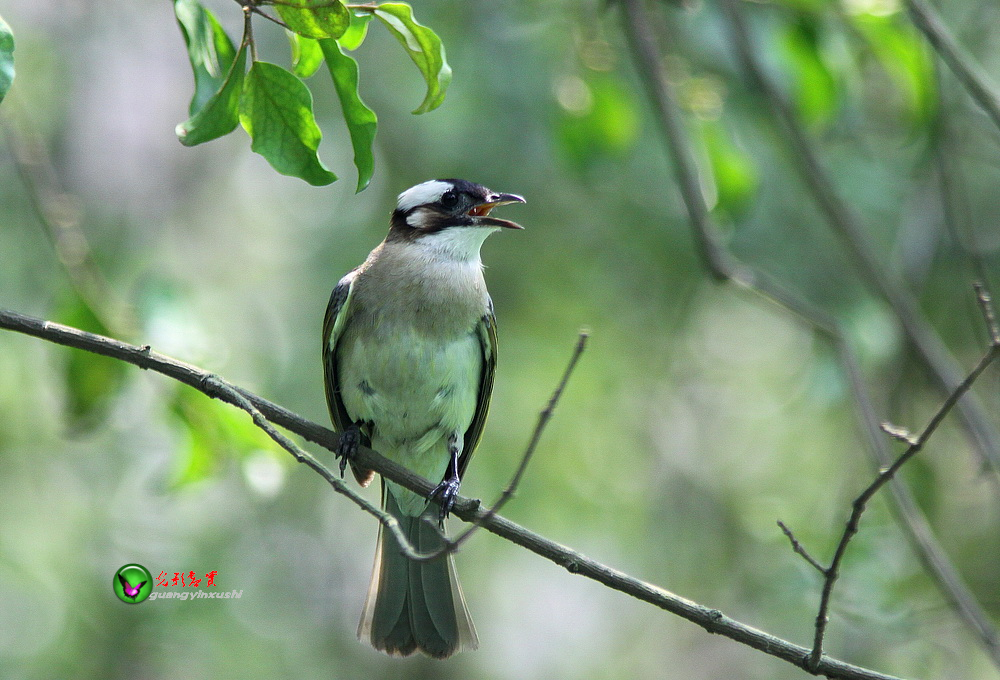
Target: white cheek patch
<point x="419" y="218"/>
<point x="422" y="194"/>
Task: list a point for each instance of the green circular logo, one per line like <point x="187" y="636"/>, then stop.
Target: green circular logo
<point x="132" y="583"/>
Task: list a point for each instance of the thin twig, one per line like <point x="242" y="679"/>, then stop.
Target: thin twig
<point x="248" y="9"/>
<point x="214" y="386"/>
<point x="798" y="547"/>
<point x="933" y="352"/>
<point x="860" y="503"/>
<point x="643" y="44"/>
<point x="968" y="72"/>
<point x="723" y="265"/>
<point x="916" y="526"/>
<point x="536" y="435"/>
<point x="259" y="12"/>
<point x="710" y="619"/>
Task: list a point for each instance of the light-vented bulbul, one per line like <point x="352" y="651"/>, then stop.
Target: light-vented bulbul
<point x="409" y="352"/>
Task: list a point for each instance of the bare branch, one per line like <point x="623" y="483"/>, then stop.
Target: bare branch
<point x="213" y="384"/>
<point x="859" y="505"/>
<point x="797" y="547"/>
<point x="917" y="528"/>
<point x="968" y="72"/>
<point x="724" y="266"/>
<point x="712" y="620"/>
<point x="274" y="20"/>
<point x="536" y="435"/>
<point x="933" y="352"/>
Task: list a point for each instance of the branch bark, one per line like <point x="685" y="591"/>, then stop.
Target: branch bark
<point x="712" y="620"/>
<point x="726" y="267"/>
<point x="968" y="72"/>
<point x="933" y="352"/>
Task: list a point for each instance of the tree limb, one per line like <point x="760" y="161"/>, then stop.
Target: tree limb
<point x="712" y="620"/>
<point x="968" y="72"/>
<point x="933" y="352"/>
<point x="860" y="504"/>
<point x="727" y="268"/>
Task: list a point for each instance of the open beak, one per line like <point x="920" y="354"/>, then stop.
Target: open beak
<point x="481" y="212"/>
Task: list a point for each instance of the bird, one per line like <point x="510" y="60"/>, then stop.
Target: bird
<point x="409" y="355"/>
<point x="130" y="590"/>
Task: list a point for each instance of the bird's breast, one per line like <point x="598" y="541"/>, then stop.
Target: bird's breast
<point x="408" y="384"/>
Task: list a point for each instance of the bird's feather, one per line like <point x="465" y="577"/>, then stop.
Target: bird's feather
<point x="412" y="604"/>
<point x="487" y="333"/>
<point x="337" y="313"/>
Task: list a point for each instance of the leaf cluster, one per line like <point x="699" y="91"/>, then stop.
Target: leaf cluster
<point x="273" y="103"/>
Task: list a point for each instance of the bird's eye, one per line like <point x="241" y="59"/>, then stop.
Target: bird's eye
<point x="449" y="199"/>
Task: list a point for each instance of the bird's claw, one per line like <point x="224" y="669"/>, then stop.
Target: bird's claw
<point x="445" y="493"/>
<point x="347" y="447"/>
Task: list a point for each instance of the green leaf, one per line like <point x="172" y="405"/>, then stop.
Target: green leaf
<point x="904" y="56"/>
<point x="277" y="113"/>
<point x="816" y="89"/>
<point x="732" y="169"/>
<point x="221" y="113"/>
<point x="356" y="32"/>
<point x="361" y="120"/>
<point x="210" y="50"/>
<point x="92" y="381"/>
<point x="599" y="119"/>
<point x="306" y="55"/>
<point x="315" y="19"/>
<point x="424" y="48"/>
<point x="6" y="58"/>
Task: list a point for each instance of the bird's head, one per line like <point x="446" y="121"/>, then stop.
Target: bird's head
<point x="450" y="217"/>
<point x="449" y="205"/>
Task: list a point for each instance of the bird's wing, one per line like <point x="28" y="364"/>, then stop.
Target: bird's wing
<point x="334" y="323"/>
<point x="487" y="332"/>
<point x="337" y="312"/>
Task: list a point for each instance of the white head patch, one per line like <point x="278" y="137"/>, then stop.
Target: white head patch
<point x="422" y="194"/>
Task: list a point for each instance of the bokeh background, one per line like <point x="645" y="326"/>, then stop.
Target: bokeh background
<point x="699" y="415"/>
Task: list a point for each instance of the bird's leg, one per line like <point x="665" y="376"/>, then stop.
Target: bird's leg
<point x="347" y="447"/>
<point x="447" y="490"/>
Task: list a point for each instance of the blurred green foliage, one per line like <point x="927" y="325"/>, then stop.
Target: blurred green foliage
<point x="6" y="58"/>
<point x="698" y="416"/>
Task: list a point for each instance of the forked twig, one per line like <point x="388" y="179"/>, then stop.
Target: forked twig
<point x="536" y="435"/>
<point x="708" y="618"/>
<point x="832" y="572"/>
<point x="725" y="267"/>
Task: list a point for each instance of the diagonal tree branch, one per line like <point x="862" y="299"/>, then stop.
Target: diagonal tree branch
<point x="942" y="366"/>
<point x="918" y="529"/>
<point x="712" y="620"/>
<point x="725" y="267"/>
<point x="968" y="72"/>
<point x="860" y="504"/>
<point x="536" y="436"/>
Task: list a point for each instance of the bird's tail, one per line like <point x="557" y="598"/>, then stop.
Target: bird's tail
<point x="415" y="606"/>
